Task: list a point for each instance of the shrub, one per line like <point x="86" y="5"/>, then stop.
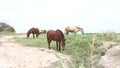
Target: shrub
<point x="6" y="28"/>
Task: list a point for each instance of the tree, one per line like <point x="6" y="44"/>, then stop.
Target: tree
<point x="6" y="28"/>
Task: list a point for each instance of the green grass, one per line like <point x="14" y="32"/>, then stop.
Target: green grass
<point x="37" y="42"/>
<point x="79" y="47"/>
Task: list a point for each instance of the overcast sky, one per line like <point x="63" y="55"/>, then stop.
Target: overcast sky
<point x="92" y="15"/>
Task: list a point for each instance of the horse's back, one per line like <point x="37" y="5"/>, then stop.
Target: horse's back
<point x="50" y="33"/>
<point x="54" y="35"/>
<point x="73" y="28"/>
<point x="36" y="30"/>
<point x="70" y="28"/>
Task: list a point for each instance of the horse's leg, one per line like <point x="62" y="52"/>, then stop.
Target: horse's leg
<point x="75" y="33"/>
<point x="57" y="45"/>
<point x="49" y="41"/>
<point x="36" y="35"/>
<point x="33" y="35"/>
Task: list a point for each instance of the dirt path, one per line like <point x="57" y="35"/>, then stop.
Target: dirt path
<point x="13" y="55"/>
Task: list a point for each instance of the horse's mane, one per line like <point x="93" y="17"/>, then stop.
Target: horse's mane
<point x="61" y="33"/>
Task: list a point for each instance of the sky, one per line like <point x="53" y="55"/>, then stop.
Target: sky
<point x="92" y="15"/>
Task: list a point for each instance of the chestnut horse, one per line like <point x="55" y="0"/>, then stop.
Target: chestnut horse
<point x="33" y="31"/>
<point x="57" y="36"/>
<point x="73" y="29"/>
<point x="43" y="31"/>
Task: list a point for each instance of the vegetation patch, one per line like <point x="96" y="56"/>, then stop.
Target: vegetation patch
<point x="84" y="49"/>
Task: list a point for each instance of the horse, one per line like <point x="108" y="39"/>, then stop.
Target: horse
<point x="73" y="29"/>
<point x="57" y="36"/>
<point x="43" y="31"/>
<point x="33" y="31"/>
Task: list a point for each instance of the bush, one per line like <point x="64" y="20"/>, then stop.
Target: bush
<point x="6" y="28"/>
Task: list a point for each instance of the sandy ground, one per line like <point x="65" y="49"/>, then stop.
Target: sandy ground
<point x="13" y="55"/>
<point x="111" y="59"/>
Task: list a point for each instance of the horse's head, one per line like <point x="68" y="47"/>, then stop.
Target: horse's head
<point x="28" y="34"/>
<point x="82" y="31"/>
<point x="63" y="43"/>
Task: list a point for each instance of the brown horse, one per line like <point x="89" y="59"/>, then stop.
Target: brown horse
<point x="33" y="31"/>
<point x="73" y="29"/>
<point x="57" y="36"/>
<point x="43" y="31"/>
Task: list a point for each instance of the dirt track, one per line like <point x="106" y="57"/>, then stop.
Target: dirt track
<point x="13" y="55"/>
